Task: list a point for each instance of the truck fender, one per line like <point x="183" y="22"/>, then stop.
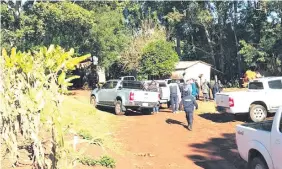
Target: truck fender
<point x="255" y="145"/>
<point x="95" y="94"/>
<point x="120" y="98"/>
<point x="260" y="102"/>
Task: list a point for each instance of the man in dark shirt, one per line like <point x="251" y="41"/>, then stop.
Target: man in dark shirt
<point x="189" y="103"/>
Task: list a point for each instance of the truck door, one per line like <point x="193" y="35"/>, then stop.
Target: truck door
<point x="276" y="143"/>
<point x="102" y="93"/>
<point x="112" y="93"/>
<point x="274" y="93"/>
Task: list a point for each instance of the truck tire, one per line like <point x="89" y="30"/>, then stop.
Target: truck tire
<point x="258" y="163"/>
<point x="258" y="113"/>
<point x="93" y="101"/>
<point x="119" y="108"/>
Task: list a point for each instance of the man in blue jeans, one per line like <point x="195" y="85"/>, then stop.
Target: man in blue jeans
<point x="174" y="95"/>
<point x="189" y="103"/>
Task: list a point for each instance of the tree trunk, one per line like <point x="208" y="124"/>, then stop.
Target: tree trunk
<point x="210" y="46"/>
<point x="178" y="50"/>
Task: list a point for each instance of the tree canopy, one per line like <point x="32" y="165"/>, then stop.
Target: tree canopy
<point x="230" y="35"/>
<point x="158" y="58"/>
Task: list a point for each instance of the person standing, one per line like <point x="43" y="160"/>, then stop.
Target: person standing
<point x="189" y="103"/>
<point x="194" y="88"/>
<point x="205" y="90"/>
<point x="198" y="89"/>
<point x="215" y="89"/>
<point x="174" y="95"/>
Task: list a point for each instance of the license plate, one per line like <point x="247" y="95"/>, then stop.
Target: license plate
<point x="144" y="104"/>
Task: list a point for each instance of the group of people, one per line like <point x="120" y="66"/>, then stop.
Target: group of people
<point x="184" y="96"/>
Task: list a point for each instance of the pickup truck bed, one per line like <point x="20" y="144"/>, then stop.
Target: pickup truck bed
<point x="264" y="126"/>
<point x="260" y="143"/>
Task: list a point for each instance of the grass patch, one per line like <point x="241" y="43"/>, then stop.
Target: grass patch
<point x="81" y="118"/>
<point x="206" y="107"/>
<point x="105" y="161"/>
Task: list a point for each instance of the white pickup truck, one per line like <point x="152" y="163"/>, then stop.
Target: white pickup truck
<point x="262" y="97"/>
<point x="260" y="144"/>
<point x="124" y="95"/>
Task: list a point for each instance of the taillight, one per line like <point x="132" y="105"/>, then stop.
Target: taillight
<point x="231" y="102"/>
<point x="131" y="96"/>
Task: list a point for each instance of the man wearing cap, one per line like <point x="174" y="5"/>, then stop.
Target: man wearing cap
<point x="189" y="104"/>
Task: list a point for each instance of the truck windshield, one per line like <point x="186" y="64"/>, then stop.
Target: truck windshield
<point x="132" y="85"/>
<point x="256" y="85"/>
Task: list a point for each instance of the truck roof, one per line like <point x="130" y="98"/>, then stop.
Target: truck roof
<point x="263" y="79"/>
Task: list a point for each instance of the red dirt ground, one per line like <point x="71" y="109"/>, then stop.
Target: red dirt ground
<point x="161" y="141"/>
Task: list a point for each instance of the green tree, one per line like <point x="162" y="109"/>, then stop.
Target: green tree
<point x="158" y="58"/>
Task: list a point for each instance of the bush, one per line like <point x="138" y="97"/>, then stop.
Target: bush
<point x="31" y="95"/>
<point x="105" y="161"/>
<point x="158" y="58"/>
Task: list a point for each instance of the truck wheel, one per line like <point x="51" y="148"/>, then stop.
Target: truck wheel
<point x="93" y="101"/>
<point x="258" y="113"/>
<point x="258" y="163"/>
<point x="119" y="108"/>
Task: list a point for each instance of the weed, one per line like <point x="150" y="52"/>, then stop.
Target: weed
<point x="105" y="161"/>
<point x="85" y="134"/>
<point x="97" y="141"/>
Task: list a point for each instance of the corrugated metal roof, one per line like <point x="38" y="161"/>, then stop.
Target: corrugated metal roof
<point x="186" y="64"/>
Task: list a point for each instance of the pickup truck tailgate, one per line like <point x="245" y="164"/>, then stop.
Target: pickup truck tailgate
<point x="222" y="100"/>
<point x="165" y="93"/>
<point x="147" y="97"/>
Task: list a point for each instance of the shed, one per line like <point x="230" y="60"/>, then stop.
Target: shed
<point x="193" y="69"/>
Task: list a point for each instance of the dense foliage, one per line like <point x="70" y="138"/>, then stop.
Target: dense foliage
<point x="158" y="58"/>
<point x="30" y="103"/>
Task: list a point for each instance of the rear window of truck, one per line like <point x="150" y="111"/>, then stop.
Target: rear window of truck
<point x="132" y="85"/>
<point x="162" y="85"/>
<point x="256" y="85"/>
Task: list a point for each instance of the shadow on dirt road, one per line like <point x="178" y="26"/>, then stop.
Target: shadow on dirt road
<point x="217" y="153"/>
<point x="224" y="117"/>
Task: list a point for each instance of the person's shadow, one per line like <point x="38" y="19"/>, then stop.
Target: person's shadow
<point x="172" y="121"/>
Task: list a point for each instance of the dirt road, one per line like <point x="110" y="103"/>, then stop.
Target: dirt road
<point x="161" y="141"/>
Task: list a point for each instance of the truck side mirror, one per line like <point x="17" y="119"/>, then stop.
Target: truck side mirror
<point x="119" y="88"/>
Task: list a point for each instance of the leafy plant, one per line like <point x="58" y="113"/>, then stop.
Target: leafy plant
<point x="158" y="58"/>
<point x="31" y="97"/>
<point x="85" y="134"/>
<point x="105" y="161"/>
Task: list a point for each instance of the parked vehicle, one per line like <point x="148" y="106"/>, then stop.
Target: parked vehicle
<point x="261" y="98"/>
<point x="127" y="78"/>
<point x="260" y="144"/>
<point x="164" y="92"/>
<point x="124" y="95"/>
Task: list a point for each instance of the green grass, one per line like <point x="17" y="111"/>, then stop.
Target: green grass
<point x="81" y="118"/>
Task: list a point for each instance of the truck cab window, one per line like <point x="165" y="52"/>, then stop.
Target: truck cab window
<point x="114" y="84"/>
<point x="106" y="85"/>
<point x="256" y="85"/>
<point x="275" y="84"/>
